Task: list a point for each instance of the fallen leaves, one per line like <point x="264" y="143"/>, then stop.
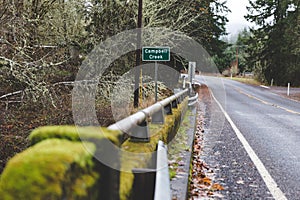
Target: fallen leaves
<point x="206" y="181"/>
<point x="201" y="184"/>
<point x="217" y="187"/>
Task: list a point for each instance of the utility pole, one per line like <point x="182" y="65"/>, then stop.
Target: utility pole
<point x="138" y="55"/>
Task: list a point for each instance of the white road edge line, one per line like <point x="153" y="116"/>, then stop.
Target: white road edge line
<point x="263" y="86"/>
<point x="271" y="184"/>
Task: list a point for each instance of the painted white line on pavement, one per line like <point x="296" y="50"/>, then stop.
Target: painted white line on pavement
<point x="263" y="86"/>
<point x="271" y="184"/>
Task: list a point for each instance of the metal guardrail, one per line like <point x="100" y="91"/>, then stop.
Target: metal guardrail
<point x="193" y="100"/>
<point x="136" y="125"/>
<point x="162" y="174"/>
<point x="194" y="97"/>
<point x="162" y="181"/>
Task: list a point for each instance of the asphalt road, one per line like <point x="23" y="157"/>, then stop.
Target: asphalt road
<point x="254" y="151"/>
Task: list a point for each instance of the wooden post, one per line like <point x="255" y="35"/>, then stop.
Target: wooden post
<point x="138" y="55"/>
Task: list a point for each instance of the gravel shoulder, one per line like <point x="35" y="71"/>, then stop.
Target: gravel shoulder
<point x="226" y="162"/>
<point x="282" y="91"/>
<point x="179" y="155"/>
<point x="220" y="166"/>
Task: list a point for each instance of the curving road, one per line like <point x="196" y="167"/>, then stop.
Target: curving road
<point x="252" y="140"/>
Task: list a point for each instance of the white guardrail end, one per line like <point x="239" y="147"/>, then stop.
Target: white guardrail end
<point x="162" y="183"/>
<point x="193" y="100"/>
<point x="194" y="97"/>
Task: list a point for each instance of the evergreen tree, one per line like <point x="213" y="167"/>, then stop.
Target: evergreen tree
<point x="275" y="44"/>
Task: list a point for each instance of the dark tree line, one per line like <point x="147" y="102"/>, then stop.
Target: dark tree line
<point x="274" y="47"/>
<point x="43" y="42"/>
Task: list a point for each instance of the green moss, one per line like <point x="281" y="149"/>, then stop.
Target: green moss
<point x="74" y="133"/>
<point x="126" y="183"/>
<point x="58" y="166"/>
<point x="52" y="169"/>
<point x="172" y="173"/>
<point x="135" y="155"/>
<point x="178" y="145"/>
<point x="80" y="185"/>
<point x="130" y="160"/>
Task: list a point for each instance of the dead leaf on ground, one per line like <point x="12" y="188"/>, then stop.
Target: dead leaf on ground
<point x="206" y="181"/>
<point x="217" y="187"/>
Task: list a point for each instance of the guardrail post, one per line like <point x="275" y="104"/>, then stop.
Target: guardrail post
<point x="144" y="184"/>
<point x="180" y="99"/>
<point x="136" y="125"/>
<point x="140" y="133"/>
<point x="168" y="109"/>
<point x="175" y="103"/>
<point x="158" y="117"/>
<point x="184" y="81"/>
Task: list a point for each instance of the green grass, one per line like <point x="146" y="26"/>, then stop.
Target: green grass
<point x="249" y="81"/>
<point x="179" y="144"/>
<point x="172" y="173"/>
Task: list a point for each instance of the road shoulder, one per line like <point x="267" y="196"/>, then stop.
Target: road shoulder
<point x="227" y="160"/>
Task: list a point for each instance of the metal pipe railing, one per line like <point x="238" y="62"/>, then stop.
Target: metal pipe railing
<point x="194" y="97"/>
<point x="136" y="126"/>
<point x="127" y="124"/>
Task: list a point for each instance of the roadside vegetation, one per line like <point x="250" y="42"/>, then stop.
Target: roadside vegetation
<point x="294" y="91"/>
<point x="43" y="43"/>
<point x="271" y="48"/>
<point x="250" y="81"/>
<point x="178" y="146"/>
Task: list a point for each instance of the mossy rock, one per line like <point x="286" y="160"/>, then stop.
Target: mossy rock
<point x="106" y="156"/>
<point x="52" y="169"/>
<point x="74" y="133"/>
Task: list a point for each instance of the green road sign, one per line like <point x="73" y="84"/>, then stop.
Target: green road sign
<point x="156" y="53"/>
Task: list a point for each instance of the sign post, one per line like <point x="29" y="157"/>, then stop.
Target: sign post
<point x="156" y="73"/>
<point x="191" y="74"/>
<point x="156" y="54"/>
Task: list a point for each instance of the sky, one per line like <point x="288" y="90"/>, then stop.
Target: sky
<point x="236" y="18"/>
